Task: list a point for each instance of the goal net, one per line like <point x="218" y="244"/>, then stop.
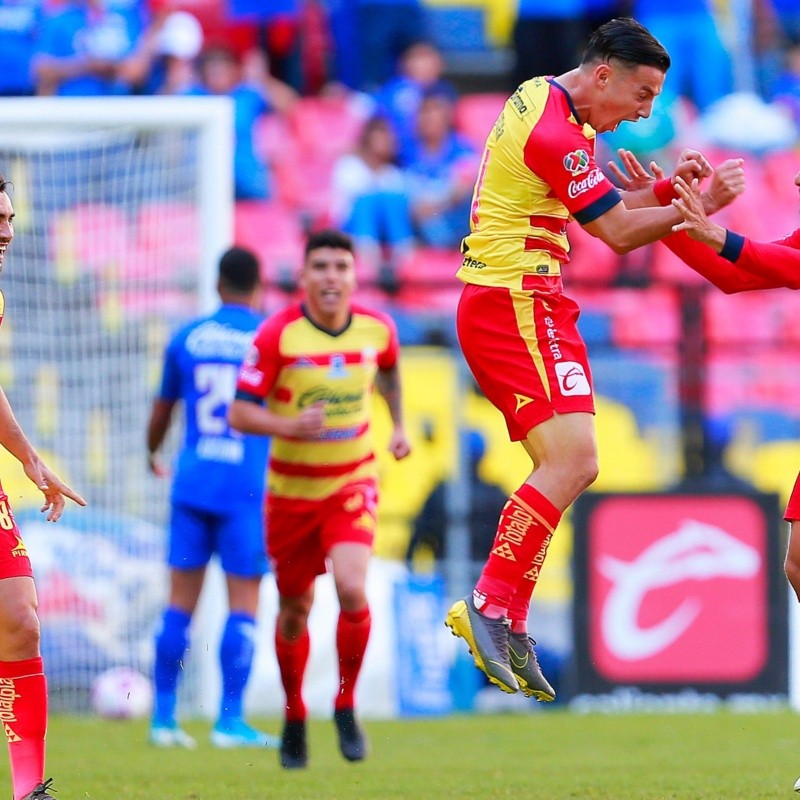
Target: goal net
<point x="123" y="207"/>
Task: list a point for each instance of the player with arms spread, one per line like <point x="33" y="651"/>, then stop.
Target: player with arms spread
<point x="733" y="263"/>
<point x="23" y="687"/>
<point x="216" y="502"/>
<point x="518" y="330"/>
<point x="308" y="382"/>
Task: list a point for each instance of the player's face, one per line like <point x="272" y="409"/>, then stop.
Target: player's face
<point x="329" y="278"/>
<point x="623" y="94"/>
<point x="6" y="225"/>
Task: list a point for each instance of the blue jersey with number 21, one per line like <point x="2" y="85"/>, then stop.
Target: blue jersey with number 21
<point x="217" y="466"/>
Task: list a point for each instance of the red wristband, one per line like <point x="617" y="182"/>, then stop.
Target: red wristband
<point x="664" y="191"/>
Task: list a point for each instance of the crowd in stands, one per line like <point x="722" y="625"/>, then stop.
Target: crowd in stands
<point x="345" y="112"/>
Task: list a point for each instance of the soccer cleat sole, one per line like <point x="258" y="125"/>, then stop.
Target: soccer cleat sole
<point x="538" y="694"/>
<point x="457" y="612"/>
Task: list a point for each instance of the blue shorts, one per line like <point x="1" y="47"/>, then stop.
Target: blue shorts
<point x="237" y="537"/>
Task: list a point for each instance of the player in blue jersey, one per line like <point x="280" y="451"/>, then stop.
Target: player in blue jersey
<point x="217" y="497"/>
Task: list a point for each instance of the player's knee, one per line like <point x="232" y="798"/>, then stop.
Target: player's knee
<point x="23" y="634"/>
<point x="293" y="619"/>
<point x="352" y="594"/>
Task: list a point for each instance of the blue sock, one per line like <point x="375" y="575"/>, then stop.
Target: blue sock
<point x="172" y="641"/>
<point x="235" y="659"/>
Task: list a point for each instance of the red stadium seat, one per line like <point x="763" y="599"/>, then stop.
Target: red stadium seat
<point x="431" y="266"/>
<point x="329" y="126"/>
<point x="641" y="317"/>
<point x="743" y="318"/>
<point x="273" y="231"/>
<point x="475" y="114"/>
<point x="171" y="231"/>
<point x="304" y="183"/>
<point x="88" y="237"/>
<point x="273" y="138"/>
<point x="591" y="260"/>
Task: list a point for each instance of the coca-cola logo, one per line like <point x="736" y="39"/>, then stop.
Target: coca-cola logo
<point x="591" y="180"/>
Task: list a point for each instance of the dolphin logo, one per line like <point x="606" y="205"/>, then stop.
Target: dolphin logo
<point x="694" y="552"/>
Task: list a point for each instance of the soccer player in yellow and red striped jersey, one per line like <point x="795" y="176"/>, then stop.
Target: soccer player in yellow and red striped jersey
<point x="23" y="687"/>
<point x="308" y="383"/>
<point x="517" y="328"/>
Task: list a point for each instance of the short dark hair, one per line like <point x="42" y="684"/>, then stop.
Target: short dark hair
<point x="625" y="39"/>
<point x="329" y="238"/>
<point x="4" y="184"/>
<point x="239" y="270"/>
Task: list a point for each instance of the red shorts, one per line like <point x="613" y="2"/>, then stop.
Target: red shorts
<point x="14" y="561"/>
<point x="793" y="507"/>
<point x="300" y="534"/>
<point x="525" y="352"/>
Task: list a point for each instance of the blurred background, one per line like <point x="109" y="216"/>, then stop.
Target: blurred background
<point x="370" y="115"/>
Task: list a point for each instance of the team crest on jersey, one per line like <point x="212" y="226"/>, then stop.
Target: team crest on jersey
<point x="576" y="162"/>
<point x="338" y="369"/>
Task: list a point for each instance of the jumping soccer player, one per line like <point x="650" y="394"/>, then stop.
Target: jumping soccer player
<point x="217" y="499"/>
<point x="23" y="687"/>
<point x="517" y="328"/>
<point x="308" y="382"/>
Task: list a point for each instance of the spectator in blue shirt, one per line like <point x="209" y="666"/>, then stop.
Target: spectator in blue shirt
<point x="82" y="46"/>
<point x="440" y="175"/>
<point x="19" y="26"/>
<point x="254" y="92"/>
<point x="420" y="70"/>
<point x="701" y="68"/>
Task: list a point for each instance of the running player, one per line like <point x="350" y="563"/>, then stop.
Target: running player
<point x="518" y="330"/>
<point x="308" y="382"/>
<point x="23" y="687"/>
<point x="217" y="499"/>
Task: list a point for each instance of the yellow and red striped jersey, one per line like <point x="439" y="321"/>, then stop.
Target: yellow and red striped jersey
<point x="293" y="364"/>
<point x="538" y="169"/>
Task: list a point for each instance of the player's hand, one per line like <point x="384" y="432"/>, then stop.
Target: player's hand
<point x="309" y="423"/>
<point x="695" y="220"/>
<point x="727" y="183"/>
<point x="156" y="467"/>
<point x="55" y="491"/>
<point x="399" y="446"/>
<point x="692" y="164"/>
<point x="635" y="175"/>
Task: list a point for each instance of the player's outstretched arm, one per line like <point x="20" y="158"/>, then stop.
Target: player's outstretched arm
<point x="388" y="384"/>
<point x="13" y="439"/>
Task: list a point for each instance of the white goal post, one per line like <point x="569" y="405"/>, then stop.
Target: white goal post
<point x="124" y="206"/>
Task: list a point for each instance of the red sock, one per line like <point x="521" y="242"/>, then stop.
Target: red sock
<point x="526" y="525"/>
<point x="521" y="601"/>
<point x="292" y="659"/>
<point x="23" y="710"/>
<point x="352" y="635"/>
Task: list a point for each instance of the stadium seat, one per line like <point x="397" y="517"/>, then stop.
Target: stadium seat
<point x="88" y="237"/>
<point x="171" y="231"/>
<point x="304" y="183"/>
<point x="273" y="232"/>
<point x="740" y="318"/>
<point x="666" y="267"/>
<point x="326" y="125"/>
<point x="431" y="266"/>
<point x="273" y="138"/>
<point x="591" y="260"/>
<point x="475" y="115"/>
<point x="643" y="317"/>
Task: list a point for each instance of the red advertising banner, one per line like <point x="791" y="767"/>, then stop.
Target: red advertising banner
<point x="679" y="590"/>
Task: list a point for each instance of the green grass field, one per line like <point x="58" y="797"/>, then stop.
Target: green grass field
<point x="553" y="754"/>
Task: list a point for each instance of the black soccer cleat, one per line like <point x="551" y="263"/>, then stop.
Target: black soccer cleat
<point x="41" y="791"/>
<point x="352" y="741"/>
<point x="293" y="751"/>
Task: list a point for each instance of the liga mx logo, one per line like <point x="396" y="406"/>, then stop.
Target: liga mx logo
<point x="576" y="162"/>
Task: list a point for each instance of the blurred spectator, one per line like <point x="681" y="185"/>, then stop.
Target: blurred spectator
<point x="19" y="26"/>
<point x="486" y="501"/>
<point x="440" y="174"/>
<point x="786" y="89"/>
<point x="254" y="92"/>
<point x="419" y="71"/>
<point x="82" y="45"/>
<point x="370" y="36"/>
<point x="547" y="38"/>
<point x="163" y="60"/>
<point x="369" y="198"/>
<point x="701" y="67"/>
<point x="788" y="12"/>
